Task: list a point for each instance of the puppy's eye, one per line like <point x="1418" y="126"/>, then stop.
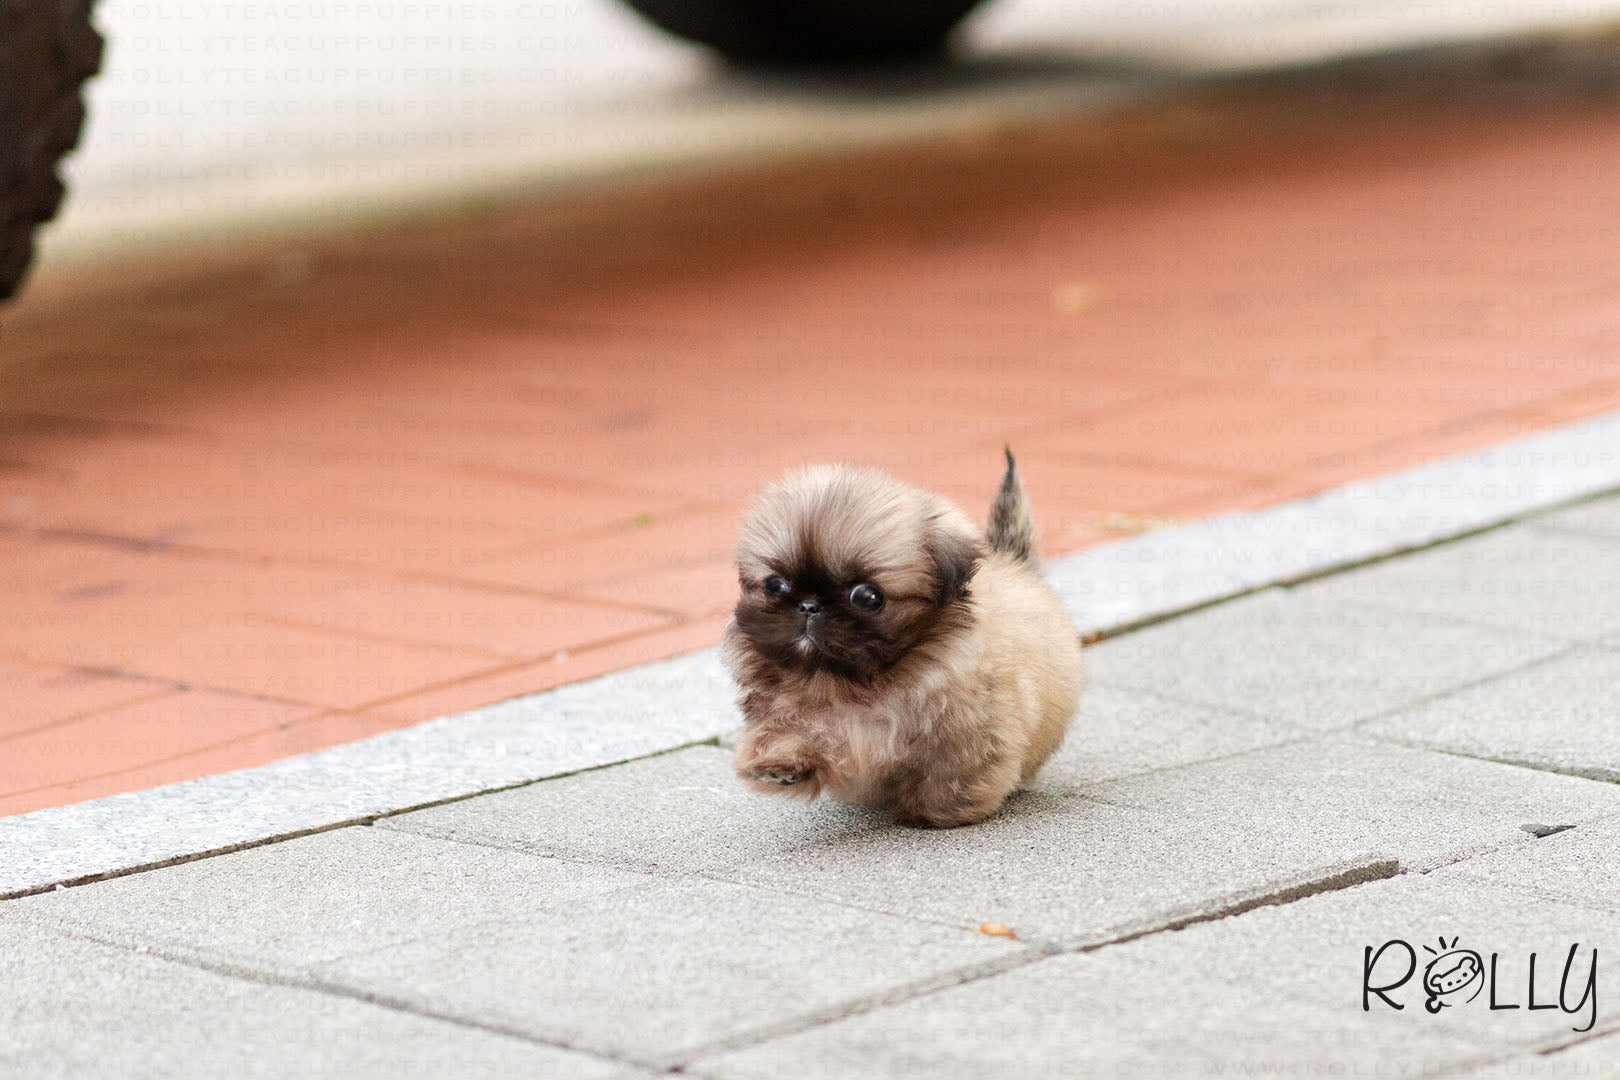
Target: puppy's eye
<point x="866" y="597"/>
<point x="776" y="585"/>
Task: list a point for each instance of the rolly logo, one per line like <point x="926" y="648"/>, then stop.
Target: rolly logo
<point x="1457" y="976"/>
<point x="1451" y="974"/>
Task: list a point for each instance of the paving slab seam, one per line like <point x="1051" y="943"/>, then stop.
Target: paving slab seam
<point x="1328" y="571"/>
<point x="718" y="874"/>
<point x="1334" y="878"/>
<point x="1439" y="695"/>
<point x="209" y="553"/>
<point x="1434" y="616"/>
<point x="1530" y="892"/>
<point x="1553" y="1045"/>
<point x="1312" y="883"/>
<point x="303" y="979"/>
<point x="1238" y="709"/>
<point x="1377" y="868"/>
<point x="541" y="478"/>
<point x="625" y="715"/>
<point x="632" y="866"/>
<point x="1595" y="774"/>
<point x="158" y="693"/>
<point x="713" y="874"/>
<point x="446" y="801"/>
<point x="1590" y="1036"/>
<point x="212" y="554"/>
<point x="1083" y="787"/>
<point x="366" y="820"/>
<point x="1512" y="1050"/>
<point x="1505" y="1060"/>
<point x="177" y="860"/>
<point x="350" y="632"/>
<point x="240" y="972"/>
<point x="1456" y="1065"/>
<point x="1509" y="527"/>
<point x="1353" y="727"/>
<point x="1452" y="860"/>
<point x="918" y="988"/>
<point x="512" y="664"/>
<point x="1172" y="698"/>
<point x="678" y="512"/>
<point x="1457" y="863"/>
<point x="169" y="686"/>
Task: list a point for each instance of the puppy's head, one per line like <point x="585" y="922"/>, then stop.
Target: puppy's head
<point x="845" y="570"/>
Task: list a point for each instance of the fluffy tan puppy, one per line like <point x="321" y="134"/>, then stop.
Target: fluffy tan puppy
<point x="892" y="654"/>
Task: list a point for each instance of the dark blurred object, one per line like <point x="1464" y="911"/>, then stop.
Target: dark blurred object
<point x="47" y="49"/>
<point x="809" y="31"/>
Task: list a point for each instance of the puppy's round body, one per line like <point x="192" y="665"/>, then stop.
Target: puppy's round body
<point x="936" y="703"/>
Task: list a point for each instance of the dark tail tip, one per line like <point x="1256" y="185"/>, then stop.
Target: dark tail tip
<point x="1011" y="530"/>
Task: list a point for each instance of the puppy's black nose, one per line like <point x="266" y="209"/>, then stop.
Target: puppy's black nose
<point x="809" y="607"/>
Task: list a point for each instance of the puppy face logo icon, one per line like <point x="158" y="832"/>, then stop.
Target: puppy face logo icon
<point x="1455" y="976"/>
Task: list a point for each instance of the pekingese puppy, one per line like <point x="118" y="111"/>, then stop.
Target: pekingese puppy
<point x="892" y="654"/>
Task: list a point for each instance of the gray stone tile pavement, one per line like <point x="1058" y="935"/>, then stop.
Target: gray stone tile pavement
<point x="1082" y="1015"/>
<point x="678" y="811"/>
<point x="1276" y="990"/>
<point x="1595" y="1059"/>
<point x="1562" y="715"/>
<point x="1124" y="732"/>
<point x="654" y="974"/>
<point x="1522" y="579"/>
<point x="1424" y="808"/>
<point x="1579" y="865"/>
<point x="1300" y="952"/>
<point x="1060" y="868"/>
<point x="1252" y="796"/>
<point x="79" y="1009"/>
<point x="320" y="897"/>
<point x="1309" y="659"/>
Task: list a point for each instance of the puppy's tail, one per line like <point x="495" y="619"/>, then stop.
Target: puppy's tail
<point x="1011" y="530"/>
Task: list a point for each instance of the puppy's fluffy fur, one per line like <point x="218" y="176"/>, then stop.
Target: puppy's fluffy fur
<point x="933" y="704"/>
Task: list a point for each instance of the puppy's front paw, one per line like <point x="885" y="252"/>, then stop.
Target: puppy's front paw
<point x="781" y="773"/>
<point x="790" y="769"/>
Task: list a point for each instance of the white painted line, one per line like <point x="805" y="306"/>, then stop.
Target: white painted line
<point x="689" y="699"/>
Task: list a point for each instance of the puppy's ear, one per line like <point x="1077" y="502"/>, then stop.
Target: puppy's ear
<point x="955" y="558"/>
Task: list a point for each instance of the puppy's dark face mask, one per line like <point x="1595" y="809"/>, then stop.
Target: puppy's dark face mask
<point x="827" y="602"/>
